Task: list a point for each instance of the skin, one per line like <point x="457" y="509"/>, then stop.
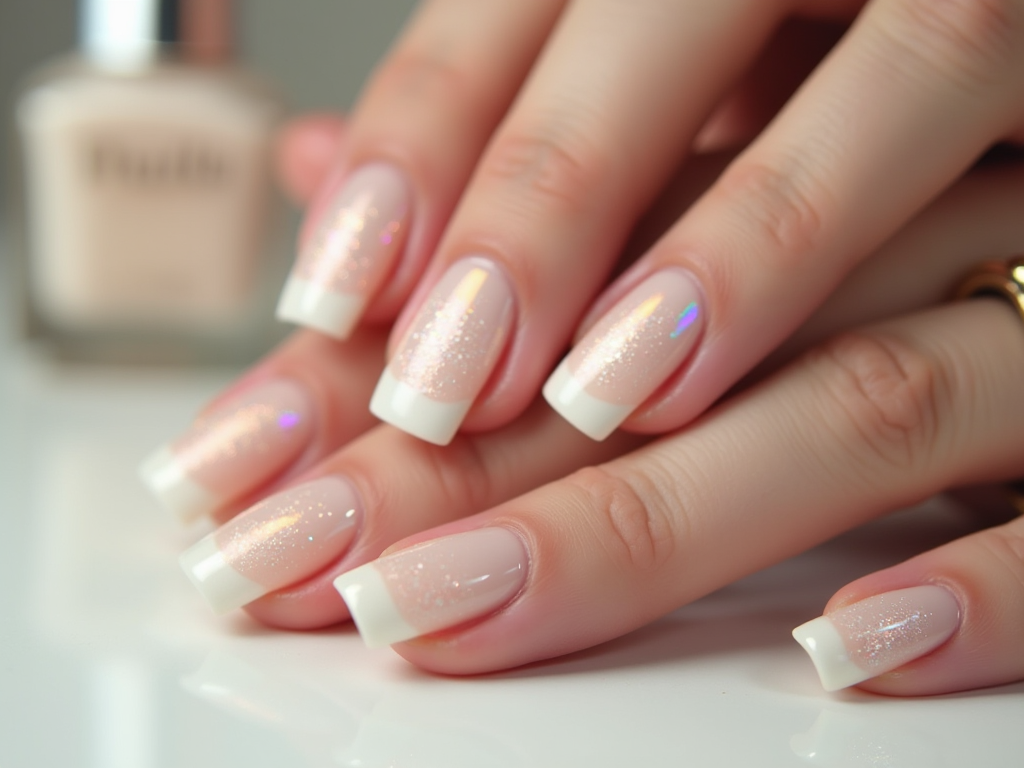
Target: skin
<point x="880" y="383"/>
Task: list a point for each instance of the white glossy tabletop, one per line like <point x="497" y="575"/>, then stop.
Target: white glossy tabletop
<point x="110" y="659"/>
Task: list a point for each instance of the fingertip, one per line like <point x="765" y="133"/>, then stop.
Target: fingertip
<point x="307" y="149"/>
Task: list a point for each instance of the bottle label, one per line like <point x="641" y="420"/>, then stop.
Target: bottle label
<point x="146" y="222"/>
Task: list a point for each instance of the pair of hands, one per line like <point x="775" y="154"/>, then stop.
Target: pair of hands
<point x="610" y="535"/>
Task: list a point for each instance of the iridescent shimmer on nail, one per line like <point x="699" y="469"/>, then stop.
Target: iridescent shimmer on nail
<point x="631" y="350"/>
<point x="345" y="249"/>
<point x="879" y="633"/>
<point x="454" y="576"/>
<point x="250" y="430"/>
<point x="457" y="335"/>
<point x="278" y="537"/>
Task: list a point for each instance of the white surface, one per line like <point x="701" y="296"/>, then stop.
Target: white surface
<point x="110" y="659"/>
<point x="310" y="305"/>
<point x="373" y="611"/>
<point x="827" y="650"/>
<point x="593" y="417"/>
<point x="411" y="411"/>
<point x="163" y="474"/>
<point x="224" y="588"/>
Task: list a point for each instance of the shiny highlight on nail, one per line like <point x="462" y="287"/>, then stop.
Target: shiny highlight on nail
<point x="281" y="541"/>
<point x="448" y="353"/>
<point x="232" y="450"/>
<point x="434" y="585"/>
<point x="878" y="634"/>
<point x="628" y="353"/>
<point x="350" y="253"/>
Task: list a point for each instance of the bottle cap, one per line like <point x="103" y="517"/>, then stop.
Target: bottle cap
<point x="133" y="33"/>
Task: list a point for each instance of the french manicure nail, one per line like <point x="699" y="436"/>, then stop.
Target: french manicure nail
<point x="628" y="354"/>
<point x="282" y="540"/>
<point x="230" y="451"/>
<point x="350" y="253"/>
<point x="448" y="353"/>
<point x="878" y="634"/>
<point x="434" y="585"/>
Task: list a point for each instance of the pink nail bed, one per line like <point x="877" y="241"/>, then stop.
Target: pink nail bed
<point x="283" y="540"/>
<point x="350" y="253"/>
<point x="628" y="354"/>
<point x="448" y="353"/>
<point x="232" y="450"/>
<point x="878" y="634"/>
<point x="434" y="585"/>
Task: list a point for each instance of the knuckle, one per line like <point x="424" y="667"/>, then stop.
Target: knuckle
<point x="890" y="394"/>
<point x="781" y="204"/>
<point x="563" y="171"/>
<point x="970" y="41"/>
<point x="628" y="518"/>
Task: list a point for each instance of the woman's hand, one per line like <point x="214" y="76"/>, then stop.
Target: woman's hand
<point x="502" y="153"/>
<point x="870" y="422"/>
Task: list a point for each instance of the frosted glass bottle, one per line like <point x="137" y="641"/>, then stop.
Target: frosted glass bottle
<point x="148" y="203"/>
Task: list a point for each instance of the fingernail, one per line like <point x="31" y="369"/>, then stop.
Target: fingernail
<point x="350" y="253"/>
<point x="435" y="585"/>
<point x="230" y="451"/>
<point x="282" y="540"/>
<point x="879" y="634"/>
<point x="448" y="353"/>
<point x="628" y="354"/>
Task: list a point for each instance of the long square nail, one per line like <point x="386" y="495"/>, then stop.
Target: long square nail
<point x="352" y="250"/>
<point x="448" y="353"/>
<point x="628" y="354"/>
<point x="231" y="450"/>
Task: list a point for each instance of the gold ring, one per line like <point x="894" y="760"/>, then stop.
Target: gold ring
<point x="1004" y="280"/>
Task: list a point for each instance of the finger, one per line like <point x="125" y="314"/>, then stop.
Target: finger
<point x="948" y="620"/>
<point x="875" y="421"/>
<point x="301" y="403"/>
<point x="307" y="148"/>
<point x="919" y="87"/>
<point x="587" y="145"/>
<point x="377" y="490"/>
<point x="414" y="137"/>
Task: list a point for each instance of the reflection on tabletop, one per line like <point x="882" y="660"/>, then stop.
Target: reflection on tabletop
<point x="106" y="636"/>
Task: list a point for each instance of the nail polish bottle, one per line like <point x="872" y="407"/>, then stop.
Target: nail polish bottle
<point x="147" y="201"/>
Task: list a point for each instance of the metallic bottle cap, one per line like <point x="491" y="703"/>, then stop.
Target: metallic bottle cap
<point x="132" y="33"/>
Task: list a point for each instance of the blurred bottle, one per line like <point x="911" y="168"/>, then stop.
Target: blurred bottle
<point x="148" y="201"/>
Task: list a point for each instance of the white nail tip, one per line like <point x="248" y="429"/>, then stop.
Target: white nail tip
<point x="167" y="480"/>
<point x="372" y="608"/>
<point x="411" y="411"/>
<point x="224" y="588"/>
<point x="593" y="417"/>
<point x="310" y="305"/>
<point x="823" y="643"/>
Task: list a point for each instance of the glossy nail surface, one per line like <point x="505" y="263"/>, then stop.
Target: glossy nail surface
<point x="628" y="354"/>
<point x="350" y="253"/>
<point x="434" y="585"/>
<point x="283" y="540"/>
<point x="448" y="353"/>
<point x="232" y="450"/>
<point x="878" y="634"/>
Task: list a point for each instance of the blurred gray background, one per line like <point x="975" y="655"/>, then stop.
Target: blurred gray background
<point x="318" y="51"/>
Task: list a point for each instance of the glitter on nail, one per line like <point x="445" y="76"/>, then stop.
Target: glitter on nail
<point x="339" y="257"/>
<point x="877" y="636"/>
<point x="245" y="431"/>
<point x="262" y="542"/>
<point x="455" y="338"/>
<point x="686" y="318"/>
